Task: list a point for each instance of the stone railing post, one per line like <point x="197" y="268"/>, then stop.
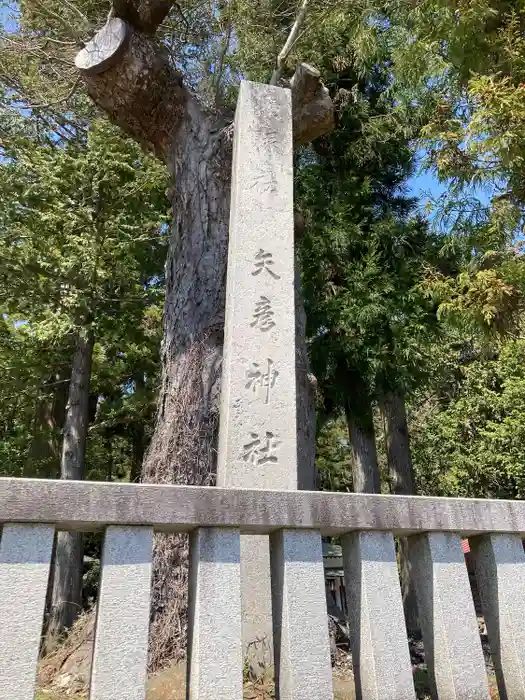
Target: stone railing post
<point x="500" y="575"/>
<point x="214" y="632"/>
<point x="378" y="639"/>
<point x="120" y="655"/>
<point x="302" y="648"/>
<point x="453" y="650"/>
<point x="25" y="555"/>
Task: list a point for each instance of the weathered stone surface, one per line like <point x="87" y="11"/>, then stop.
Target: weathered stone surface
<point x="214" y="644"/>
<point x="448" y="621"/>
<point x="84" y="505"/>
<point x="302" y="647"/>
<point x="258" y="436"/>
<point x="25" y="553"/>
<point x="257" y="443"/>
<point x="500" y="575"/>
<point x="120" y="655"/>
<point x="256" y="600"/>
<point x="381" y="659"/>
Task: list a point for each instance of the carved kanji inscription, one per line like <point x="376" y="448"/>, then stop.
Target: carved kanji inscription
<point x="263" y="315"/>
<point x="264" y="261"/>
<point x="262" y="377"/>
<point x="261" y="450"/>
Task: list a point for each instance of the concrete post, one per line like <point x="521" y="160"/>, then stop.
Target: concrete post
<point x="25" y="553"/>
<point x="214" y="630"/>
<point x="120" y="656"/>
<point x="302" y="648"/>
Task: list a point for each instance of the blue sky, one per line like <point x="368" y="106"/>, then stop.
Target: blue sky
<point x="425" y="183"/>
<point x="425" y="186"/>
<point x="7" y="14"/>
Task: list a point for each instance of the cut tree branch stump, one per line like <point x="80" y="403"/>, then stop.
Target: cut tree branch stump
<point x="105" y="48"/>
<point x="129" y="76"/>
<point x="313" y="110"/>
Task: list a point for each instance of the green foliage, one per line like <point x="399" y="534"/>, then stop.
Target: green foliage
<point x="456" y="75"/>
<point x="100" y="206"/>
<point x="487" y="298"/>
<point x="263" y="27"/>
<point x="459" y="74"/>
<point x="470" y="440"/>
<point x="364" y="254"/>
<point x="31" y="372"/>
<point x="333" y="456"/>
<point x="83" y="241"/>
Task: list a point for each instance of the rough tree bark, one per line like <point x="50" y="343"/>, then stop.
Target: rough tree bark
<point x="49" y="420"/>
<point x="360" y="421"/>
<point x="401" y="473"/>
<point x="66" y="596"/>
<point x="401" y="478"/>
<point x="128" y="75"/>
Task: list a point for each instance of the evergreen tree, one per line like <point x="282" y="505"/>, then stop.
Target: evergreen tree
<point x="81" y="237"/>
<point x="467" y="425"/>
<point x="363" y="257"/>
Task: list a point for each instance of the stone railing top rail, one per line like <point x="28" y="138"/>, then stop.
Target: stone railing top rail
<point x="95" y="505"/>
<point x="31" y="510"/>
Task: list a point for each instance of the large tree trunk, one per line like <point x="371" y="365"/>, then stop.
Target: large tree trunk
<point x="401" y="473"/>
<point x="360" y="421"/>
<point x="401" y="478"/>
<point x="130" y="78"/>
<point x="66" y="598"/>
<point x="44" y="453"/>
<point x="183" y="447"/>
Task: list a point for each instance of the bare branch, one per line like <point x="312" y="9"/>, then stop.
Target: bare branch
<point x="292" y="38"/>
<point x="66" y="98"/>
<point x="220" y="63"/>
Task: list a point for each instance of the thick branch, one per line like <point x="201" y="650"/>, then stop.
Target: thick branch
<point x="129" y="77"/>
<point x="313" y="110"/>
<point x="143" y="15"/>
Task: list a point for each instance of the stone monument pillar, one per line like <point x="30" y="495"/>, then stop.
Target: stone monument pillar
<point x="258" y="436"/>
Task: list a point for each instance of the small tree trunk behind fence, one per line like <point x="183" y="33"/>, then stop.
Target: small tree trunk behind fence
<point x="66" y="597"/>
<point x="401" y="477"/>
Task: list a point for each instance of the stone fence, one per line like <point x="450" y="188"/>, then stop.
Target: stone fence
<point x="31" y="510"/>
